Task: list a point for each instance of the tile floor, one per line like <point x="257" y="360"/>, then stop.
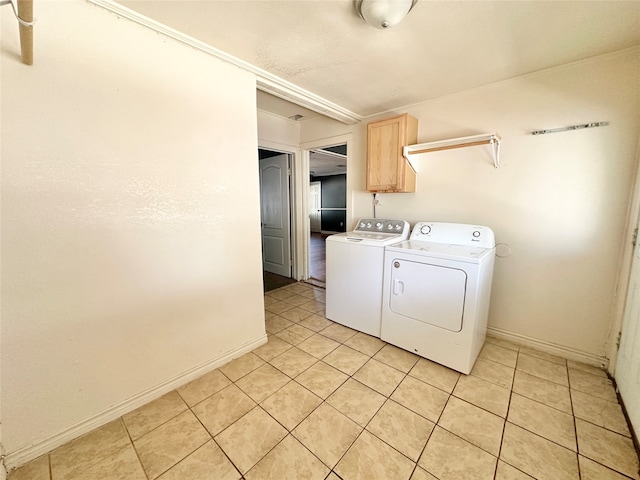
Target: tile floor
<point x="321" y="401"/>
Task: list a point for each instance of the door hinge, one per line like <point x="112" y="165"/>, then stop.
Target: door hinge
<point x="634" y="237"/>
<point x="618" y="338"/>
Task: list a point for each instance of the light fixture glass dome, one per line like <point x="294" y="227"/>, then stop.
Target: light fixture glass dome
<point x="384" y="13"/>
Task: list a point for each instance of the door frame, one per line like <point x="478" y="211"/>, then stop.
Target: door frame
<point x="624" y="269"/>
<point x="294" y="160"/>
<point x="301" y="179"/>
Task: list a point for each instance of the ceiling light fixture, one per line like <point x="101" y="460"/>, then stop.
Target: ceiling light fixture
<point x="384" y="13"/>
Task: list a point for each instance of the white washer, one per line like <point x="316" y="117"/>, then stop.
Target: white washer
<point x="437" y="287"/>
<point x="355" y="261"/>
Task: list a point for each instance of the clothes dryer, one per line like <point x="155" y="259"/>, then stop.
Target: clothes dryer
<point x="437" y="288"/>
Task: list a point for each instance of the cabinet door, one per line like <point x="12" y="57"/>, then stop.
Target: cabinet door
<point x="387" y="169"/>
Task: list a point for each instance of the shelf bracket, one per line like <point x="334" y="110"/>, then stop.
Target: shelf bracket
<point x="492" y="139"/>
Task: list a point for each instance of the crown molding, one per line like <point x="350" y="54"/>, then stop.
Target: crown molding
<point x="265" y="81"/>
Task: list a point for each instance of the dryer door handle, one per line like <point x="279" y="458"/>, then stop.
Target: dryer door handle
<point x="398" y="287"/>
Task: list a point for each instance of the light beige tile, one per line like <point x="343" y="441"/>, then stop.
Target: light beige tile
<point x="608" y="448"/>
<point x="502" y="343"/>
<point x="296" y="299"/>
<point x="154" y="414"/>
<point x="122" y="464"/>
<point x="373" y="459"/>
<point x="346" y="359"/>
<point x="315" y="293"/>
<point x="299" y="288"/>
<point x="274" y="347"/>
<point x="397" y="358"/>
<point x="203" y="387"/>
<point x="313" y="306"/>
<point x="401" y="428"/>
<point x="507" y="472"/>
<point x="82" y="453"/>
<point x="379" y="376"/>
<point x="223" y="408"/>
<point x="289" y="459"/>
<point x="537" y="456"/>
<point x="262" y="382"/>
<point x="449" y="457"/>
<point x="496" y="353"/>
<point x="333" y="476"/>
<point x="421" y="474"/>
<point x="544" y="356"/>
<point x="583" y="367"/>
<point x="250" y="438"/>
<point x="268" y="300"/>
<point x="165" y="446"/>
<point x="364" y="343"/>
<point x="275" y="324"/>
<point x="318" y="345"/>
<point x="280" y="293"/>
<point x="473" y="424"/>
<point x="322" y="379"/>
<point x="327" y="433"/>
<point x="590" y="470"/>
<point x="545" y="421"/>
<point x="599" y="412"/>
<point x="206" y="463"/>
<point x="493" y="372"/>
<point x="543" y="391"/>
<point x="316" y="322"/>
<point x="278" y="307"/>
<point x="338" y="332"/>
<point x="421" y="398"/>
<point x="293" y="362"/>
<point x="356" y="401"/>
<point x="543" y="369"/>
<point x="291" y="404"/>
<point x="296" y="314"/>
<point x="295" y="334"/>
<point x="239" y="367"/>
<point x="435" y="374"/>
<point x="483" y="394"/>
<point x="37" y="469"/>
<point x="593" y="385"/>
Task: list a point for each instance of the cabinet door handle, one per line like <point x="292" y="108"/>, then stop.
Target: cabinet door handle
<point x="398" y="287"/>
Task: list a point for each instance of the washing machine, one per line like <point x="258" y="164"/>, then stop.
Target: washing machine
<point x="355" y="262"/>
<point x="437" y="288"/>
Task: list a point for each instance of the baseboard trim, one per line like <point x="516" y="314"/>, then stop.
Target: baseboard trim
<point x="20" y="457"/>
<point x="549" y="347"/>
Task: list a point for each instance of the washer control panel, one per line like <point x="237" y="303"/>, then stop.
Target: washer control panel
<point x="454" y="234"/>
<point x="378" y="225"/>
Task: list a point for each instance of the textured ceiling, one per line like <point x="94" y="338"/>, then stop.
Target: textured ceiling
<point x="442" y="47"/>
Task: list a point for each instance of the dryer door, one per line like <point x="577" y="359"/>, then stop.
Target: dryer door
<point x="428" y="293"/>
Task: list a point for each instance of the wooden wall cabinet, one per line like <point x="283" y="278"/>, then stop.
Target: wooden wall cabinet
<point x="387" y="170"/>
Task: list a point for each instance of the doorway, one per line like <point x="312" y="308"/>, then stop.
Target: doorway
<point x="275" y="218"/>
<point x="327" y="204"/>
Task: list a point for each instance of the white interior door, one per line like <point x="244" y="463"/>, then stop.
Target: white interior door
<point x="627" y="372"/>
<point x="274" y="215"/>
<point x="315" y="204"/>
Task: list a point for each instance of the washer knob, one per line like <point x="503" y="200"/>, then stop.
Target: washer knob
<point x="379" y="226"/>
<point x="425" y="229"/>
<point x="476" y="233"/>
<point x="390" y="227"/>
<point x="368" y="224"/>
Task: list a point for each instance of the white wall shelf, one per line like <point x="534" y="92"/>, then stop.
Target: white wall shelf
<point x="492" y="139"/>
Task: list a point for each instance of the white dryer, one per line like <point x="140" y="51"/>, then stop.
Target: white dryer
<point x="437" y="287"/>
<point x="355" y="261"/>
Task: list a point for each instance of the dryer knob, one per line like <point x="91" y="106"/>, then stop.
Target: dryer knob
<point x="476" y="233"/>
<point x="425" y="229"/>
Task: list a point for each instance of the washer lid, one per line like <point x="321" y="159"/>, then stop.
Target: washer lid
<point x="368" y="238"/>
<point x="447" y="251"/>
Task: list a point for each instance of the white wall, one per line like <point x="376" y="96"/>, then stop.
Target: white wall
<point x="130" y="218"/>
<point x="558" y="200"/>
